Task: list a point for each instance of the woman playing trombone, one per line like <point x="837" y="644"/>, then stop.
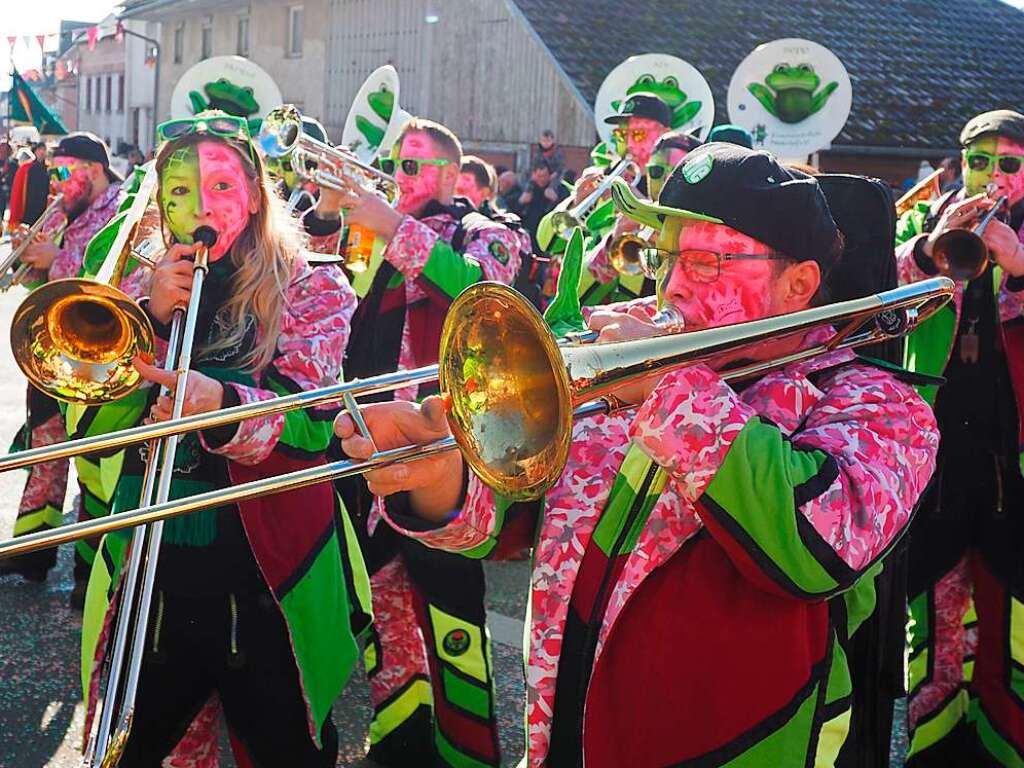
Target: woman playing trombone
<point x="251" y="602"/>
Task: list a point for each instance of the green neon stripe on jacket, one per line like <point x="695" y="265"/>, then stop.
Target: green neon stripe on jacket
<point x="754" y="488"/>
<point x="452" y="756"/>
<point x="786" y="747"/>
<point x="931" y="731"/>
<point x="995" y="744"/>
<point x="449" y="271"/>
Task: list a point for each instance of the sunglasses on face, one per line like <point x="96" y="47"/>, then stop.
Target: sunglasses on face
<point x="60" y="173"/>
<point x="983" y="161"/>
<point x="657" y="171"/>
<point x="623" y="134"/>
<point x="699" y="266"/>
<point x="410" y="165"/>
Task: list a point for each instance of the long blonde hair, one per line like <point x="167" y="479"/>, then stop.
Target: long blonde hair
<point x="263" y="256"/>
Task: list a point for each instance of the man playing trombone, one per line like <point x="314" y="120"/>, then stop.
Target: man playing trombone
<point x="707" y="550"/>
<point x="436" y="245"/>
<point x="81" y="173"/>
<point x="965" y="708"/>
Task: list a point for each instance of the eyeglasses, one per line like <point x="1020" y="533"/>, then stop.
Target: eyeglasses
<point x="637" y="134"/>
<point x="228" y="126"/>
<point x="410" y="165"/>
<point x="699" y="266"/>
<point x="982" y="161"/>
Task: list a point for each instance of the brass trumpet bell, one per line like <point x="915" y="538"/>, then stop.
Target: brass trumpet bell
<point x="624" y="254"/>
<point x="75" y="339"/>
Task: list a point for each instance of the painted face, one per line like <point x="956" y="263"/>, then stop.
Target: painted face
<point x="743" y="290"/>
<point x="78" y="187"/>
<point x="418" y="190"/>
<point x="660" y="166"/>
<point x="976" y="180"/>
<point x="642" y="133"/>
<point x="206" y="184"/>
<point x="466" y="187"/>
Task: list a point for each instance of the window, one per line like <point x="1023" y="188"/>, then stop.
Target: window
<point x="207" y="39"/>
<point x="179" y="42"/>
<point x="120" y="94"/>
<point x="242" y="47"/>
<point x="294" y="46"/>
<point x="88" y="94"/>
<point x="110" y="81"/>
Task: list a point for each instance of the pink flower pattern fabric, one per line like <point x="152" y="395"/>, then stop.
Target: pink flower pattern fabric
<point x="879" y="431"/>
<point x="951" y="643"/>
<point x="311" y="344"/>
<point x="599" y="264"/>
<point x="401" y="642"/>
<point x="409" y="251"/>
<point x="78" y="234"/>
<point x="47" y="483"/>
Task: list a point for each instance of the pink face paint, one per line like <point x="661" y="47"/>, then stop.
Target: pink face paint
<point x="640" y="148"/>
<point x="77" y="188"/>
<point x="418" y="190"/>
<point x="1011" y="185"/>
<point x="743" y="290"/>
<point x="223" y="193"/>
<point x="466" y="187"/>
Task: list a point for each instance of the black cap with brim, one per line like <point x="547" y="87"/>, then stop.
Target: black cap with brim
<point x="999" y="122"/>
<point x="748" y="191"/>
<point x="642" y="105"/>
<point x="87" y="146"/>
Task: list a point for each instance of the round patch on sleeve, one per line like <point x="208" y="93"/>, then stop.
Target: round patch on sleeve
<point x="498" y="251"/>
<point x="456" y="642"/>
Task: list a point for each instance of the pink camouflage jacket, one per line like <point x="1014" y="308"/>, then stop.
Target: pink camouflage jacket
<point x="804" y="480"/>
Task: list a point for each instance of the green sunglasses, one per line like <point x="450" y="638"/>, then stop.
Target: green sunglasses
<point x="410" y="165"/>
<point x="982" y="161"/>
<point x="59" y="173"/>
<point x="227" y="126"/>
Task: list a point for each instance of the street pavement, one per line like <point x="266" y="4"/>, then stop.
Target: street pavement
<point x="41" y="711"/>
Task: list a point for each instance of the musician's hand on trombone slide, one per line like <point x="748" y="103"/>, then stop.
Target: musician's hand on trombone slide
<point x="41" y="253"/>
<point x="202" y="394"/>
<point x="434" y="483"/>
<point x="172" y="281"/>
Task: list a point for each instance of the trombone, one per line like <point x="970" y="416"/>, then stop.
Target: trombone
<point x="11" y="275"/>
<point x="563" y="221"/>
<point x="513" y="391"/>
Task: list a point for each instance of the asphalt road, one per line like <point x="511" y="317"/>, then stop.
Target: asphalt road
<point x="41" y="711"/>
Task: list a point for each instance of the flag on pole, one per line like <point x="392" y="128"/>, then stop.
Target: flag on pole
<point x="92" y="35"/>
<point x="24" y="105"/>
<point x="41" y="39"/>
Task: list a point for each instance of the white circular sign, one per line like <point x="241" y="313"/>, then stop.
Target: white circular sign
<point x="792" y="95"/>
<point x="676" y="82"/>
<point x="232" y="83"/>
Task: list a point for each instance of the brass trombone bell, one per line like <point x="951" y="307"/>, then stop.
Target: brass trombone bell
<point x="75" y="339"/>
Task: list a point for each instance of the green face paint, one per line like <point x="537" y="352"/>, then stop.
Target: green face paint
<point x="179" y="193"/>
<point x="976" y="181"/>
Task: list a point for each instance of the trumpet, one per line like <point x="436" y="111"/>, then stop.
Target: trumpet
<point x="577" y="216"/>
<point x="625" y="250"/>
<point x="961" y="253"/>
<point x="11" y="275"/>
<point x="513" y="391"/>
<point x="281" y="135"/>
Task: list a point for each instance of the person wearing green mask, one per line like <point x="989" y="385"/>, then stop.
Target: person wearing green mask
<point x="965" y="582"/>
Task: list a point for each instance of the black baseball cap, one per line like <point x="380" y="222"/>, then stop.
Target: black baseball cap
<point x="747" y="190"/>
<point x="642" y="105"/>
<point x="999" y="122"/>
<point x="87" y="146"/>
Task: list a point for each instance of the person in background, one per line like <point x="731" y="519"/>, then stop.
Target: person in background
<point x="31" y="188"/>
<point x="509" y="192"/>
<point x="7" y="170"/>
<point x="539" y="198"/>
<point x="950" y="179"/>
<point x="731" y="134"/>
<point x="547" y="149"/>
<point x="477" y="182"/>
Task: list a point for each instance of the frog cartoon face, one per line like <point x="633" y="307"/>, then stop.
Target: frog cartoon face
<point x="227" y="96"/>
<point x="668" y="90"/>
<point x="788" y="92"/>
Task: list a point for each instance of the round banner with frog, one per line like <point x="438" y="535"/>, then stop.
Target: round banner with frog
<point x="679" y="84"/>
<point x="792" y="95"/>
<point x="231" y="83"/>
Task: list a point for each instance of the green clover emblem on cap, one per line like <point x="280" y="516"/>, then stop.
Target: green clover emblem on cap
<point x="697" y="169"/>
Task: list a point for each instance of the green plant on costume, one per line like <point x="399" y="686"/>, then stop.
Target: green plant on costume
<point x="789" y="94"/>
<point x="667" y="90"/>
<point x="222" y="94"/>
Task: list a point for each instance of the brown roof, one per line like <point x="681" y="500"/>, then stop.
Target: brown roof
<point x="919" y="68"/>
